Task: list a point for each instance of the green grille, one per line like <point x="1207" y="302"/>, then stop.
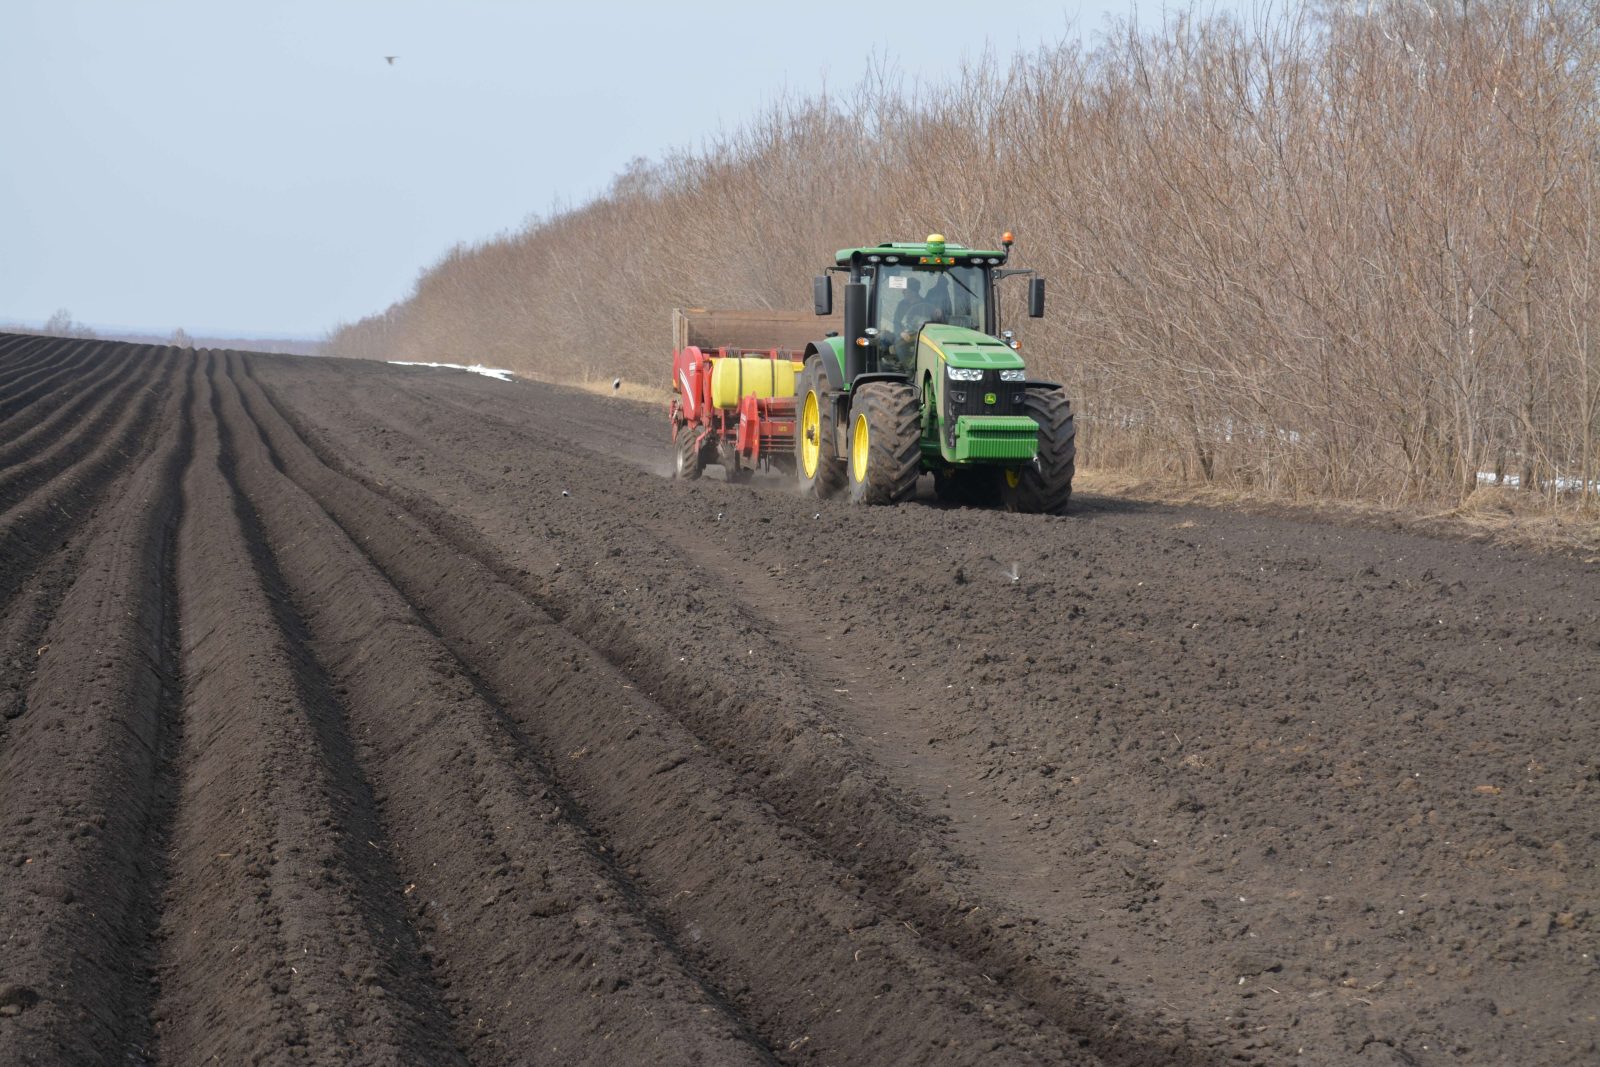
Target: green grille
<point x="995" y="437"/>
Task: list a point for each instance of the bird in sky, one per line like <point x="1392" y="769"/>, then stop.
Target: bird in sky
<point x="390" y="59"/>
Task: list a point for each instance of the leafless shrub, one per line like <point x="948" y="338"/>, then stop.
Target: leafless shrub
<point x="1345" y="251"/>
<point x="61" y="324"/>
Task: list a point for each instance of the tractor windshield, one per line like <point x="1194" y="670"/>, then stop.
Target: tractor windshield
<point x="910" y="297"/>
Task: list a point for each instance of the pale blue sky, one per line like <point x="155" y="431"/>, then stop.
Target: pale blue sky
<point x="256" y="168"/>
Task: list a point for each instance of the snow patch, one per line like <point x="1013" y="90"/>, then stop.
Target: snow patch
<point x="476" y="368"/>
<point x="1561" y="485"/>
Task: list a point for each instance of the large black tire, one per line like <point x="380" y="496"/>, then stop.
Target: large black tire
<point x="885" y="443"/>
<point x="1045" y="485"/>
<point x="826" y="475"/>
<point x="690" y="462"/>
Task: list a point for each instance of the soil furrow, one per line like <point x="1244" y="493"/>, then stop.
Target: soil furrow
<point x="17" y="349"/>
<point x="38" y="583"/>
<point x="114" y="419"/>
<point x="46" y="425"/>
<point x="541" y="952"/>
<point x="23" y="624"/>
<point x="60" y="370"/>
<point x="84" y="780"/>
<point x="414" y="719"/>
<point x="9" y="341"/>
<point x="29" y="354"/>
<point x="1282" y="780"/>
<point x="807" y="765"/>
<point x="457" y="593"/>
<point x="269" y="939"/>
<point x="35" y="525"/>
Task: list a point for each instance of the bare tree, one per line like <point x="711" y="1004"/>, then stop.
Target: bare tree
<point x="61" y="324"/>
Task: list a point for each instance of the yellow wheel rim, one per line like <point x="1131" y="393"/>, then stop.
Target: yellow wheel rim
<point x="858" y="449"/>
<point x="1013" y="477"/>
<point x="810" y="436"/>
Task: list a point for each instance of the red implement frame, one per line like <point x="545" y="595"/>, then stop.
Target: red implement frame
<point x="757" y="431"/>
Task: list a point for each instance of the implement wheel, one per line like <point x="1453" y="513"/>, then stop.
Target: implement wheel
<point x="818" y="473"/>
<point x="690" y="463"/>
<point x="885" y="443"/>
<point x="1045" y="485"/>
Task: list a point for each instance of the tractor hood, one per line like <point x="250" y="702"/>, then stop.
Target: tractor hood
<point x="961" y="347"/>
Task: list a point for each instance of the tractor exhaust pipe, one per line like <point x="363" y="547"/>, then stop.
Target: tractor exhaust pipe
<point x="855" y="326"/>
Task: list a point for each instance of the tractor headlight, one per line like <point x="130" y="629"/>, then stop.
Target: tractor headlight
<point x="1013" y="376"/>
<point x="965" y="374"/>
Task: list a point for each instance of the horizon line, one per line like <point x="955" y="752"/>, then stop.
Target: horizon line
<point x="143" y="331"/>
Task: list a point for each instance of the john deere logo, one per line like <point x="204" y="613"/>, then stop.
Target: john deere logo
<point x="990" y="398"/>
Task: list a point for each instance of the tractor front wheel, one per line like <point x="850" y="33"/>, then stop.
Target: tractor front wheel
<point x="885" y="443"/>
<point x="1045" y="485"/>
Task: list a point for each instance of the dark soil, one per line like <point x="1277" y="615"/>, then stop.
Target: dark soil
<point x="358" y="713"/>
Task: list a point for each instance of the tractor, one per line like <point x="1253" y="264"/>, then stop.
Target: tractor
<point x="921" y="378"/>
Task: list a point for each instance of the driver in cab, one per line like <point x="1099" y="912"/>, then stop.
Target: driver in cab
<point x="915" y="310"/>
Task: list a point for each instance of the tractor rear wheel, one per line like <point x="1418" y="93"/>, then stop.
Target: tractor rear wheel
<point x="690" y="463"/>
<point x="819" y="474"/>
<point x="885" y="443"/>
<point x="1045" y="485"/>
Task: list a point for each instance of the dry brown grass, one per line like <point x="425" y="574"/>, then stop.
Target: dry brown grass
<point x="629" y="391"/>
<point x="1493" y="514"/>
<point x="1343" y="251"/>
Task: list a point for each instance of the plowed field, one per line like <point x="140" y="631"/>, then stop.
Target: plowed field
<point x="353" y="713"/>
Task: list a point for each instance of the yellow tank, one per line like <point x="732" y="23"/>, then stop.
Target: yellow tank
<point x="734" y="379"/>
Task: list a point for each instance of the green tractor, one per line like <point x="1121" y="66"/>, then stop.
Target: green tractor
<point x="925" y="379"/>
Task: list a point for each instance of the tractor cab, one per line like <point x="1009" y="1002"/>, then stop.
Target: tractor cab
<point x="907" y="297"/>
<point x="911" y="285"/>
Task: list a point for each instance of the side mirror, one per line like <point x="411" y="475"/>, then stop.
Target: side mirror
<point x="1036" y="298"/>
<point x="822" y="294"/>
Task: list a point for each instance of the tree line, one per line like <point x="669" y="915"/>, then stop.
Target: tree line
<point x="1343" y="250"/>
